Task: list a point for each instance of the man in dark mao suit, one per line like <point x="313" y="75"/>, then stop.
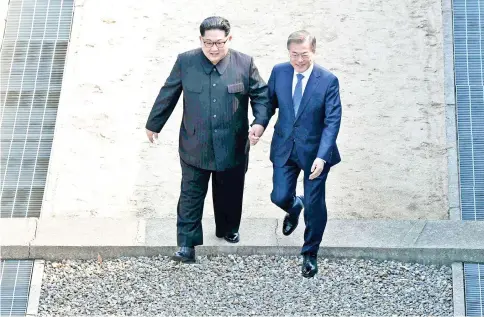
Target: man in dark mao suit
<point x="217" y="83"/>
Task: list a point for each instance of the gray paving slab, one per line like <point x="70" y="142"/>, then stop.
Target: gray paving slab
<point x="455" y="213"/>
<point x="448" y="47"/>
<point x="257" y="237"/>
<point x="453" y="195"/>
<point x="460" y="235"/>
<point x="86" y="238"/>
<point x="16" y="234"/>
<point x="458" y="294"/>
<point x="349" y="233"/>
<point x="87" y="231"/>
<point x="253" y="232"/>
<point x="35" y="288"/>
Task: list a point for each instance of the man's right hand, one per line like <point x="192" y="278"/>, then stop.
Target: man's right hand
<point x="255" y="133"/>
<point x="151" y="135"/>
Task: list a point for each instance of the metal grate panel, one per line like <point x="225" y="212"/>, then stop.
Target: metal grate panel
<point x="31" y="66"/>
<point x="474" y="289"/>
<point x="468" y="18"/>
<point x="469" y="70"/>
<point x="14" y="286"/>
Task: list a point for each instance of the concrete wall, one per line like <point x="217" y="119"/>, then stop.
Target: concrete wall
<point x="386" y="53"/>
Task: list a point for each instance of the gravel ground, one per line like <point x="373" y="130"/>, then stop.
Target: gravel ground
<point x="236" y="285"/>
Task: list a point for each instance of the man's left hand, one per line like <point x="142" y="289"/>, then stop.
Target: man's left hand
<point x="255" y="133"/>
<point x="317" y="168"/>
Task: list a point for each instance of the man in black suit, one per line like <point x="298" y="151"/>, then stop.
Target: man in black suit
<point x="217" y="83"/>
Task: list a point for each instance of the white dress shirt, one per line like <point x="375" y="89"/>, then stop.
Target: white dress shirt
<point x="304" y="81"/>
<point x="306" y="75"/>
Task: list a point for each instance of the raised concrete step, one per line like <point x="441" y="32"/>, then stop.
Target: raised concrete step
<point x="439" y="242"/>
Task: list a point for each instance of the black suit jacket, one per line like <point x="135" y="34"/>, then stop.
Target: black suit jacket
<point x="214" y="128"/>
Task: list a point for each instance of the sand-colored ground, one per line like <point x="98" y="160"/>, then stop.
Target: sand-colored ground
<point x="386" y="53"/>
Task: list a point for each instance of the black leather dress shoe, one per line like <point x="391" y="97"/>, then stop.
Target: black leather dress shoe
<point x="185" y="255"/>
<point x="310" y="265"/>
<point x="232" y="237"/>
<point x="290" y="221"/>
<point x="289" y="224"/>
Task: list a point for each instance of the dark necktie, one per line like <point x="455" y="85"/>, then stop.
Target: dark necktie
<point x="296" y="99"/>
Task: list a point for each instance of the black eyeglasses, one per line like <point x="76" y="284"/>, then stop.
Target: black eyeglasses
<point x="209" y="44"/>
<point x="295" y="56"/>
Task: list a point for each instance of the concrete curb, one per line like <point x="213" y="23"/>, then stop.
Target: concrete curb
<point x="35" y="288"/>
<point x="439" y="242"/>
<point x="458" y="289"/>
<point x="450" y="112"/>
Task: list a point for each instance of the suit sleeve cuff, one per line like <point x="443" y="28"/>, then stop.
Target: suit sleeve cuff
<point x="152" y="128"/>
<point x="324" y="156"/>
<point x="263" y="123"/>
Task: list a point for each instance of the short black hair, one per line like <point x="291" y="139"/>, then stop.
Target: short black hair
<point x="215" y="23"/>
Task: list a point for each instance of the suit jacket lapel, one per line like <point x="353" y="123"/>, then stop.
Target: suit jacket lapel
<point x="308" y="91"/>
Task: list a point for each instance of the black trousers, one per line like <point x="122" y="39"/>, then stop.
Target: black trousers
<point x="227" y="195"/>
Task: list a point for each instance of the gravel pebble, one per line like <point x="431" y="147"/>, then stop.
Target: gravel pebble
<point x="244" y="285"/>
